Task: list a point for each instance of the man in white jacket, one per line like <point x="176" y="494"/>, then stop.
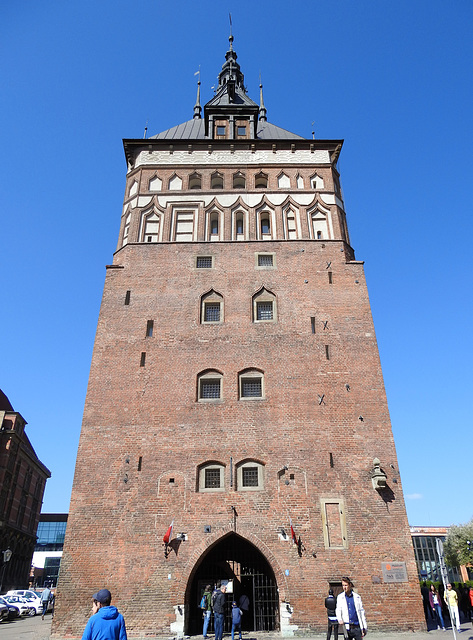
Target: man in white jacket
<point x="350" y="611"/>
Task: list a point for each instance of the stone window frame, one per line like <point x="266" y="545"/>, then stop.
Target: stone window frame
<point x="187" y="208"/>
<point x="148" y="213"/>
<point x="211" y="297"/>
<point x="206" y="257"/>
<point x="195" y="180"/>
<point x="239" y="213"/>
<point x="210" y="465"/>
<point x="238" y="177"/>
<point x="246" y="375"/>
<point x="247" y="464"/>
<point x="343" y="522"/>
<point x="212" y="216"/>
<point x="209" y="375"/>
<point x="265" y="253"/>
<point x="217" y="180"/>
<point x="264" y="295"/>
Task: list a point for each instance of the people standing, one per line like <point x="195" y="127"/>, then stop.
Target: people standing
<point x="350" y="612"/>
<point x="428" y="613"/>
<point x="451" y="598"/>
<point x="45" y="598"/>
<point x="436" y="605"/>
<point x="236" y="620"/>
<point x="219" y="612"/>
<point x="105" y="623"/>
<point x="207" y="599"/>
<point x="331" y="605"/>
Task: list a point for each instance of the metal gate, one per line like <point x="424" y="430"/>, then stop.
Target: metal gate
<point x="248" y="573"/>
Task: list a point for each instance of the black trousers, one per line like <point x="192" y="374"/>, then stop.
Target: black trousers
<point x="332" y="626"/>
<point x="353" y="631"/>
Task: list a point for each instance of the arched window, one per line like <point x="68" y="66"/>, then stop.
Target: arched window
<point x="290" y="224"/>
<point x="195" y="181"/>
<point x="211" y="308"/>
<point x="209" y="385"/>
<point x="239" y="181"/>
<point x="265" y="226"/>
<point x="175" y="183"/>
<point x="261" y="180"/>
<point x="316" y="182"/>
<point x="251" y="384"/>
<point x="211" y="477"/>
<point x="126" y="229"/>
<point x="238" y="225"/>
<point x="283" y="181"/>
<point x="319" y="225"/>
<point x="155" y="184"/>
<point x="151" y="224"/>
<point x="264" y="306"/>
<point x="250" y="476"/>
<point x="216" y="180"/>
<point x="213" y="225"/>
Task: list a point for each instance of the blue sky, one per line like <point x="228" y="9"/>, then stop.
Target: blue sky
<point x="394" y="79"/>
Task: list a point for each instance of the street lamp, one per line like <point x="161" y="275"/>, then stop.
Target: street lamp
<point x="7" y="554"/>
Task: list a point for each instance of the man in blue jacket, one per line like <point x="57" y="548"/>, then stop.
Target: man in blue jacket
<point x="105" y="623"/>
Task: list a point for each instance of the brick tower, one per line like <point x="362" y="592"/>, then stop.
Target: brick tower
<point x="236" y="392"/>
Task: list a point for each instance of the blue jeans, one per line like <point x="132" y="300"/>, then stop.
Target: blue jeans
<point x="218" y="623"/>
<point x="236" y="626"/>
<point x="438" y="611"/>
<point x="206" y="622"/>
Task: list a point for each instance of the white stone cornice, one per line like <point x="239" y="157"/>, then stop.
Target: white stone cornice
<point x="220" y="157"/>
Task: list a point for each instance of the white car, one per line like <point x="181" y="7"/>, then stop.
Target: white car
<point x="25" y="608"/>
<point x="32" y="599"/>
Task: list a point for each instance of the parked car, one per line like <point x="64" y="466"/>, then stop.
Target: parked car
<point x="13" y="610"/>
<point x="3" y="611"/>
<point x="24" y="607"/>
<point x="32" y="599"/>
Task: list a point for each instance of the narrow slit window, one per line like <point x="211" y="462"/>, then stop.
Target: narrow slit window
<point x="330" y="277"/>
<point x="327" y="352"/>
<point x="143" y="359"/>
<point x="140" y="461"/>
<point x="149" y="328"/>
<point x="127" y="297"/>
<point x="312" y="324"/>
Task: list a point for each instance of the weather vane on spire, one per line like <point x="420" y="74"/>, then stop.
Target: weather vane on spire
<point x="231" y="34"/>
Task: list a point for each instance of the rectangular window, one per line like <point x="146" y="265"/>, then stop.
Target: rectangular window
<point x="251" y="388"/>
<point x="241" y="131"/>
<point x="264" y="310"/>
<point x="204" y="262"/>
<point x="265" y="260"/>
<point x="127" y="297"/>
<point x="149" y="328"/>
<point x="184" y="226"/>
<point x="220" y="130"/>
<point x="250" y="476"/>
<point x="210" y="389"/>
<point x="212" y="478"/>
<point x="212" y="312"/>
<point x="312" y="324"/>
<point x="330" y="278"/>
<point x="143" y="359"/>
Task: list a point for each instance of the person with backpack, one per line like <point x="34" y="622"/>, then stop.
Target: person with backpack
<point x="205" y="605"/>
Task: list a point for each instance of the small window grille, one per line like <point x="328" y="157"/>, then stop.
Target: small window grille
<point x="210" y="389"/>
<point x="212" y="478"/>
<point x="212" y="312"/>
<point x="250" y="476"/>
<point x="127" y="297"/>
<point x="265" y="260"/>
<point x="251" y="388"/>
<point x="264" y="310"/>
<point x="204" y="262"/>
<point x="149" y="328"/>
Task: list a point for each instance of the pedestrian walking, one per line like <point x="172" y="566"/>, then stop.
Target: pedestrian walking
<point x="331" y="605"/>
<point x="105" y="623"/>
<point x="350" y="612"/>
<point x="236" y="620"/>
<point x="219" y="612"/>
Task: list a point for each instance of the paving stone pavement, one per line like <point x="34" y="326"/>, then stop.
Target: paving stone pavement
<point x="37" y="629"/>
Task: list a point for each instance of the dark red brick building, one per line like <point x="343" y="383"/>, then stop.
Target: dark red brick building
<point x="235" y="388"/>
<point x="22" y="482"/>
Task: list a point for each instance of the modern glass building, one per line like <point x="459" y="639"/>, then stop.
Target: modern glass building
<point x="48" y="549"/>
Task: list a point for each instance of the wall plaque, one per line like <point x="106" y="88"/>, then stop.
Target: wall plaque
<point x="394" y="571"/>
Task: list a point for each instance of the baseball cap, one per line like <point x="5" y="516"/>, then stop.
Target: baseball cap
<point x="102" y="596"/>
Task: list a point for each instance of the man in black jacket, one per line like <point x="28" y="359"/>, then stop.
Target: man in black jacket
<point x="330" y="605"/>
<point x="219" y="612"/>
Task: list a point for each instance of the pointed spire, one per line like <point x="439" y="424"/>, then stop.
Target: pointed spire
<point x="262" y="108"/>
<point x="197" y="107"/>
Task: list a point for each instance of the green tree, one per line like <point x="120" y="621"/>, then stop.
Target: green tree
<point x="459" y="544"/>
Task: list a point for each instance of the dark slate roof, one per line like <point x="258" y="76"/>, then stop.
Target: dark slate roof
<point x="5" y="404"/>
<point x="194" y="130"/>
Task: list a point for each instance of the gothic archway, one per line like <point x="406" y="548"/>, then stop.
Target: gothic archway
<point x="239" y="562"/>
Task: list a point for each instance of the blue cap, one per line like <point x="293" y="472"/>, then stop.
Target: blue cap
<point x="102" y="596"/>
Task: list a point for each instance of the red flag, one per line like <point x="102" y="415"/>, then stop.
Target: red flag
<point x="293" y="534"/>
<point x="168" y="534"/>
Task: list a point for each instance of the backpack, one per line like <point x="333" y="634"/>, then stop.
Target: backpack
<point x="214" y="596"/>
<point x="203" y="602"/>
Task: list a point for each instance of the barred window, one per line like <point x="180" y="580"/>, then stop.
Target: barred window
<point x="265" y="260"/>
<point x="212" y="478"/>
<point x="251" y="388"/>
<point x="250" y="476"/>
<point x="204" y="262"/>
<point x="212" y="312"/>
<point x="264" y="310"/>
<point x="209" y="389"/>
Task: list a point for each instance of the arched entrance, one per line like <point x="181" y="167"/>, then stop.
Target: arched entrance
<point x="247" y="571"/>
